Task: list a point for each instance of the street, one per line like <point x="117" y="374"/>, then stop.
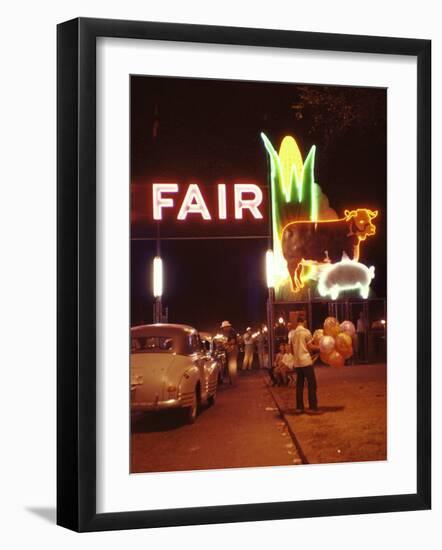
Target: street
<point x="352" y="426"/>
<point x="243" y="429"/>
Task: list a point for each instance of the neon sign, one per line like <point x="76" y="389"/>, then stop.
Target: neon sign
<point x="159" y="202"/>
<point x="193" y="203"/>
<point x="307" y="243"/>
<point x="345" y="275"/>
<point x="309" y="239"/>
<point x="247" y="197"/>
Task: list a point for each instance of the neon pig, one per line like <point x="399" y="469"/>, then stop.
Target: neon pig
<point x="247" y="196"/>
<point x="345" y="275"/>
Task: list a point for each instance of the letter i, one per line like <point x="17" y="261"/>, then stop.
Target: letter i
<point x="222" y="206"/>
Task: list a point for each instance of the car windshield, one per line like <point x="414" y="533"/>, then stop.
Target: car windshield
<point x="151" y="344"/>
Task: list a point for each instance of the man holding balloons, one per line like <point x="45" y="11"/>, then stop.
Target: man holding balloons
<point x="334" y="343"/>
<point x="301" y="342"/>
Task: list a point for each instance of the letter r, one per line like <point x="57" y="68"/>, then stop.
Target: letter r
<point x="249" y="204"/>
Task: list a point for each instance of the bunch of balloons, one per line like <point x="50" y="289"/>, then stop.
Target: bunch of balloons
<point x="335" y="341"/>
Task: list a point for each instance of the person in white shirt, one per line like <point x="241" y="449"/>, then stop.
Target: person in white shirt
<point x="249" y="346"/>
<point x="291" y="330"/>
<point x="261" y="342"/>
<point x="301" y="342"/>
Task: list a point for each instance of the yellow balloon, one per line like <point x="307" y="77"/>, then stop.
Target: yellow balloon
<point x="317" y="335"/>
<point x="331" y="327"/>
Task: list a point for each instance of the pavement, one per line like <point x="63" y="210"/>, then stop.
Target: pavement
<point x="242" y="429"/>
<point x="352" y="426"/>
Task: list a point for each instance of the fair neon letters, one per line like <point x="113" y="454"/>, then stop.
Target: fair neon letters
<point x="247" y="196"/>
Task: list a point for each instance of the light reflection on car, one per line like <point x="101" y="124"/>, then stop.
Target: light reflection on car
<point x="171" y="368"/>
<point x="216" y="351"/>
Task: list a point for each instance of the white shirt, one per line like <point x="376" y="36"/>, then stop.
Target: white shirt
<point x="248" y="339"/>
<point x="300" y="338"/>
<point x="288" y="360"/>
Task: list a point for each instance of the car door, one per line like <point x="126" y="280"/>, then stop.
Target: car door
<point x="210" y="375"/>
<point x="201" y="361"/>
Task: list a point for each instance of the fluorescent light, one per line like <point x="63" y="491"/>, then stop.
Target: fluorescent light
<point x="270" y="269"/>
<point x="157" y="277"/>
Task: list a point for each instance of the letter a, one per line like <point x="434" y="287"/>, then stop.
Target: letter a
<point x="193" y="203"/>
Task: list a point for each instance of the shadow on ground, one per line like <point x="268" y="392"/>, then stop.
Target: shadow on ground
<point x="160" y="421"/>
<point x="46" y="513"/>
<point x="322" y="410"/>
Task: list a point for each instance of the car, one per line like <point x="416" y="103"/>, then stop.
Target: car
<point x="171" y="369"/>
<point x="214" y="350"/>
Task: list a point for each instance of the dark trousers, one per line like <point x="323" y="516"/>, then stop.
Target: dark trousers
<point x="309" y="374"/>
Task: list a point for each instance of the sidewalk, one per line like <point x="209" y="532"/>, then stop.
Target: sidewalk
<point x="353" y="423"/>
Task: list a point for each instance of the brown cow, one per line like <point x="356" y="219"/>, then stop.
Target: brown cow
<point x="312" y="243"/>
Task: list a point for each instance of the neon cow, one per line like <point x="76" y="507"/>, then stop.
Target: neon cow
<point x="345" y="275"/>
<point x="310" y="243"/>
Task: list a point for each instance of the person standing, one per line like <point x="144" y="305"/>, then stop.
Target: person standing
<point x="231" y="347"/>
<point x="249" y="345"/>
<point x="301" y="342"/>
<point x="361" y="329"/>
<point x="291" y="331"/>
<point x="261" y="342"/>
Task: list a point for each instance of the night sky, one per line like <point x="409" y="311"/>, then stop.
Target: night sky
<point x="208" y="131"/>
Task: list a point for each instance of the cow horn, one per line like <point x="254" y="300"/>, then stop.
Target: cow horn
<point x="373" y="214"/>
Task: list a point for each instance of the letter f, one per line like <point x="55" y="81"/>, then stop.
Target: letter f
<point x="157" y="198"/>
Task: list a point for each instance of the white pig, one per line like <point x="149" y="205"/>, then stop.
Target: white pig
<point x="345" y="275"/>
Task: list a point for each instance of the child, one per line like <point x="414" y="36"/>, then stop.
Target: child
<point x="288" y="362"/>
<point x="276" y="374"/>
<point x="288" y="359"/>
<point x="285" y="363"/>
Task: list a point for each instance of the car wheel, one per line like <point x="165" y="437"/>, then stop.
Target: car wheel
<point x="211" y="399"/>
<point x="192" y="411"/>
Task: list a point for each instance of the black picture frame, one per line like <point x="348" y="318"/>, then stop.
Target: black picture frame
<point x="76" y="274"/>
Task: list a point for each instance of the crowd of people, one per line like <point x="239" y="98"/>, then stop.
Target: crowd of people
<point x="244" y="348"/>
<point x="296" y="355"/>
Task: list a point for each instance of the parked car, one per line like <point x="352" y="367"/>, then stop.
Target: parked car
<point x="170" y="368"/>
<point x="215" y="351"/>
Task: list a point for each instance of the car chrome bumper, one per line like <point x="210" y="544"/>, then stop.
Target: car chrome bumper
<point x="155" y="405"/>
<point x="184" y="400"/>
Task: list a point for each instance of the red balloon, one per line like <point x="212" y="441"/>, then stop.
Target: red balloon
<point x="336" y="359"/>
